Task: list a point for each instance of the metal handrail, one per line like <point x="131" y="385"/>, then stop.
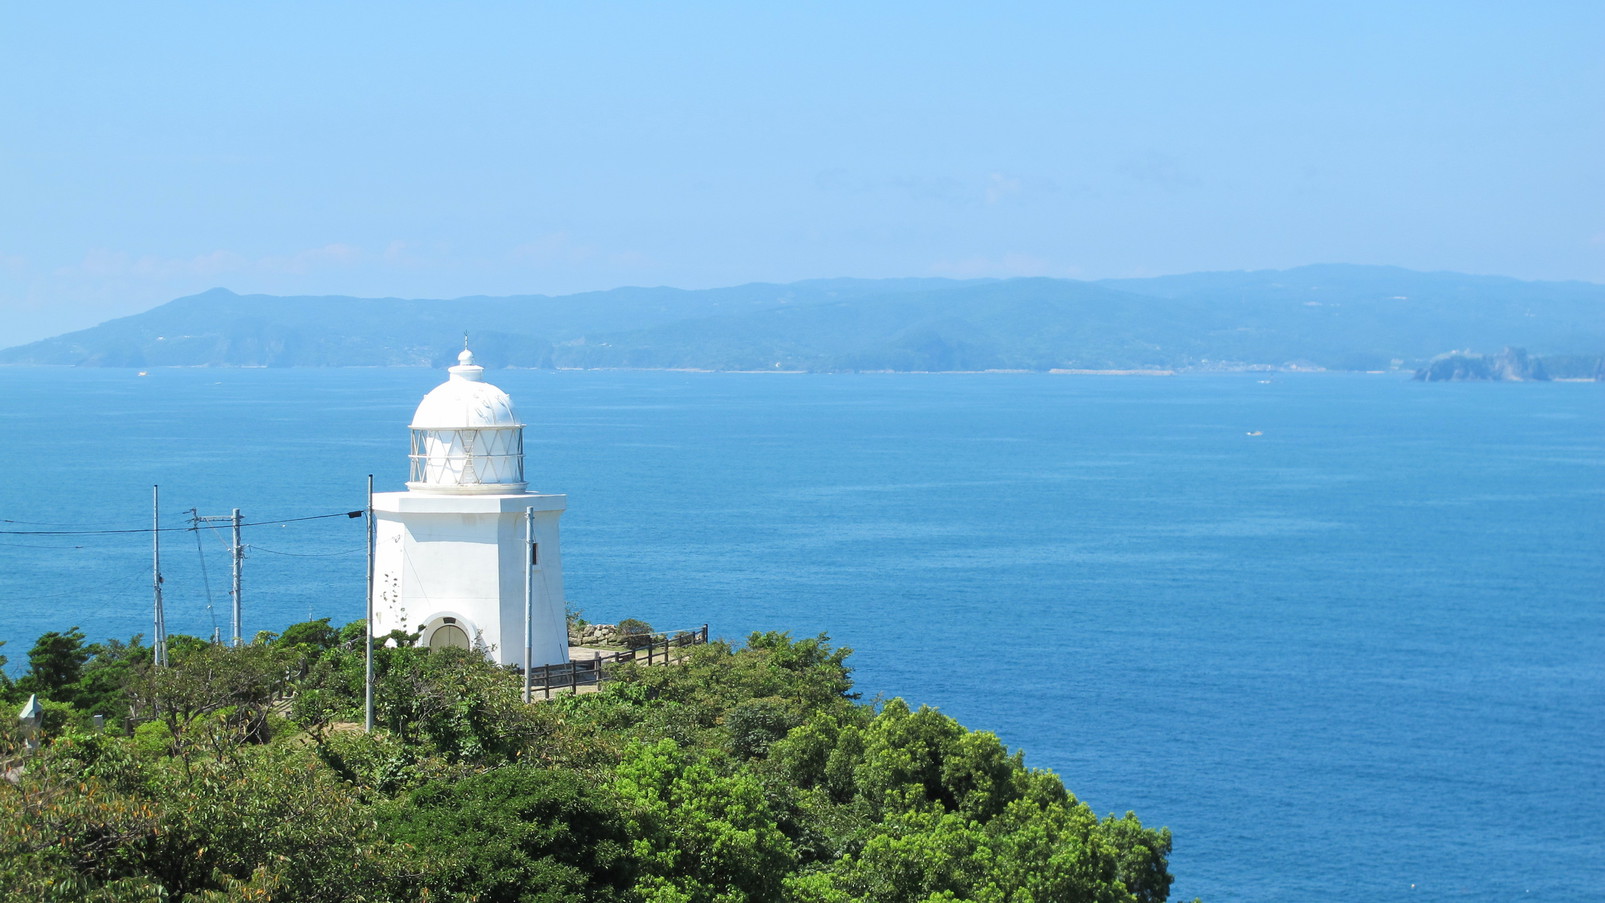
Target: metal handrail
<point x="594" y="668"/>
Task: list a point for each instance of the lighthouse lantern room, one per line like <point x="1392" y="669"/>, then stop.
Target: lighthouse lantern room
<point x="458" y="555"/>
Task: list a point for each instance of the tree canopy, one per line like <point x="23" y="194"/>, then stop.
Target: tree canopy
<point x="748" y="773"/>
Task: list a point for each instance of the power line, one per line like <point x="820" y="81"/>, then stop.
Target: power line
<point x="147" y="531"/>
<point x="256" y="548"/>
<point x="51" y="523"/>
<point x="195" y="518"/>
<point x="211" y="524"/>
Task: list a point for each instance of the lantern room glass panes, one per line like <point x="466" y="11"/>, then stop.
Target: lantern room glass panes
<point x="467" y="457"/>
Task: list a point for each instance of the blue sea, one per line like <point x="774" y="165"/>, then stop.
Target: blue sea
<point x="1343" y="634"/>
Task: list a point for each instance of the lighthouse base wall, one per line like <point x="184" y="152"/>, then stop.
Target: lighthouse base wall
<point x="452" y="568"/>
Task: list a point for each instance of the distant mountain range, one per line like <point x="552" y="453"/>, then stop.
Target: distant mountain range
<point x="1330" y="316"/>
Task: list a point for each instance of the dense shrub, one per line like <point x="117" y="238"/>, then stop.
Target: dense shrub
<point x="739" y="774"/>
<point x="634" y="634"/>
<point x="516" y="834"/>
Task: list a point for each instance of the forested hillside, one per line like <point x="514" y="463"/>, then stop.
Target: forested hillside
<point x="750" y="774"/>
<point x="1334" y="317"/>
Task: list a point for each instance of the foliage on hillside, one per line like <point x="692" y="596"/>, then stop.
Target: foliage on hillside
<point x="1337" y="317"/>
<point x="750" y="774"/>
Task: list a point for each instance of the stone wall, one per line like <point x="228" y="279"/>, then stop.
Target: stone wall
<point x="595" y="635"/>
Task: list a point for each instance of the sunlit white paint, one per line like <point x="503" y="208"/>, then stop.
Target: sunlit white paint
<point x="452" y="549"/>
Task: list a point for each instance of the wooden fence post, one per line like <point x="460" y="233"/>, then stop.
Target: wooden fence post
<point x="594" y="668"/>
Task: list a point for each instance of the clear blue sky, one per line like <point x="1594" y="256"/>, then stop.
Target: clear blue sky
<point x="154" y="150"/>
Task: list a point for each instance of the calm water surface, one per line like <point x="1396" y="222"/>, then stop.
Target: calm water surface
<point x="1359" y="654"/>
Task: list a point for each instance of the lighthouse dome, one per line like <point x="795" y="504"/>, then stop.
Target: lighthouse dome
<point x="465" y="401"/>
<point x="466" y="438"/>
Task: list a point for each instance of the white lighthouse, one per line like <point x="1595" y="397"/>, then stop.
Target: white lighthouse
<point x="458" y="556"/>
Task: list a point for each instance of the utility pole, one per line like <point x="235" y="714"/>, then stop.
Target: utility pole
<point x="159" y="641"/>
<point x="239" y="561"/>
<point x="237" y="551"/>
<point x="367" y="702"/>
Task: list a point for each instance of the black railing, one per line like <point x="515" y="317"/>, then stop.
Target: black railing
<point x="585" y="672"/>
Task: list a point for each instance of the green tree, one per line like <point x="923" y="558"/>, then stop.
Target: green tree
<point x="916" y="857"/>
<point x="1034" y="851"/>
<point x="906" y="761"/>
<point x="701" y="837"/>
<point x="1140" y="856"/>
<point x="218" y="696"/>
<point x="276" y="811"/>
<point x="8" y="688"/>
<point x="89" y="819"/>
<point x="455" y="700"/>
<point x="102" y="689"/>
<point x="55" y="661"/>
<point x="516" y="834"/>
<point x="735" y="775"/>
<point x="635" y="634"/>
<point x="311" y="637"/>
<point x="70" y="821"/>
<point x="778" y="681"/>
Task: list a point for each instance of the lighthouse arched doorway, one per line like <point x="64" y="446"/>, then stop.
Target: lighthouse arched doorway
<point x="448" y="633"/>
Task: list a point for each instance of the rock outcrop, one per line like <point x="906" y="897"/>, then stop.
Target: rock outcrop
<point x="1509" y="365"/>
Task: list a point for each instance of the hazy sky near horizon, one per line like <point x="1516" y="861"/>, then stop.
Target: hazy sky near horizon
<point x="156" y="150"/>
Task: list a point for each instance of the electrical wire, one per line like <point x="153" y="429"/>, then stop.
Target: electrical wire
<point x="147" y="530"/>
<point x="205" y="580"/>
<point x="256" y="548"/>
<point x="212" y="526"/>
<point x="48" y="523"/>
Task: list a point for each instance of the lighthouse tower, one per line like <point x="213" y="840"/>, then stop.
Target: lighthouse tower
<point x="457" y="556"/>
